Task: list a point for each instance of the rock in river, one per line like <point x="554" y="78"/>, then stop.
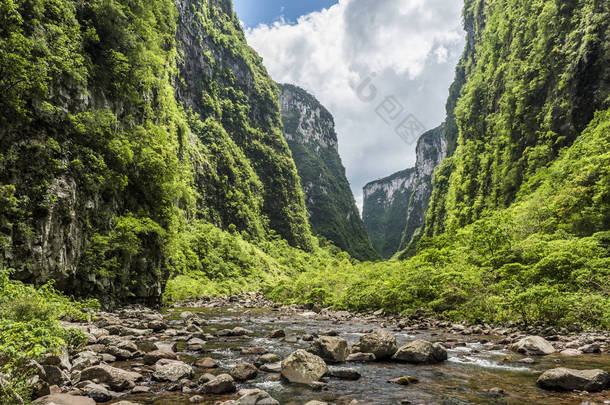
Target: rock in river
<point x="361" y="357"/>
<point x="533" y="345"/>
<point x="303" y="367"/>
<point x="244" y="372"/>
<point x="379" y="342"/>
<point x="64" y="399"/>
<point x="421" y="352"/>
<point x="206" y="362"/>
<point x="172" y="370"/>
<point x="156" y="355"/>
<point x="565" y="379"/>
<point x="116" y="378"/>
<point x="98" y="392"/>
<point x="332" y="349"/>
<point x="253" y="397"/>
<point x="223" y="384"/>
<point x="405" y="380"/>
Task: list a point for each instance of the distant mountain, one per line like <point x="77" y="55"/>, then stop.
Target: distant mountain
<point x="309" y="130"/>
<point x="395" y="207"/>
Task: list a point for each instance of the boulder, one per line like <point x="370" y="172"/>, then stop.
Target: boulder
<point x="237" y="331"/>
<point x="303" y="367"/>
<point x="267" y="358"/>
<point x="571" y="352"/>
<point x="196" y="344"/>
<point x="39" y="387"/>
<point x="64" y="399"/>
<point x="344" y="374"/>
<point x="244" y="372"/>
<point x="253" y="350"/>
<point x="116" y="378"/>
<point x="61" y="360"/>
<point x="316" y="403"/>
<point x="565" y="379"/>
<point x="421" y="352"/>
<point x="54" y="375"/>
<point x="361" y="357"/>
<point x="223" y="384"/>
<point x="253" y="397"/>
<point x="331" y="349"/>
<point x="127" y="345"/>
<point x="276" y="334"/>
<point x="168" y="347"/>
<point x="157" y="325"/>
<point x="98" y="392"/>
<point x="172" y="370"/>
<point x="533" y="345"/>
<point x="206" y="362"/>
<point x="405" y="380"/>
<point x="85" y="359"/>
<point x="121" y="354"/>
<point x="379" y="342"/>
<point x="591" y="348"/>
<point x="156" y="355"/>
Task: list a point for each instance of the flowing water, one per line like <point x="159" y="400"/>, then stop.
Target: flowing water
<point x="472" y="370"/>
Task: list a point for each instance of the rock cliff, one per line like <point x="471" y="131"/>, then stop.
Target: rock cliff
<point x="395" y="207"/>
<point x="309" y="130"/>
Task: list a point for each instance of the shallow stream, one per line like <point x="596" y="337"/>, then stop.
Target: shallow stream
<point x="473" y="368"/>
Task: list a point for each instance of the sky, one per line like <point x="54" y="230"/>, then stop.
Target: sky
<point x="255" y="12"/>
<point x="382" y="68"/>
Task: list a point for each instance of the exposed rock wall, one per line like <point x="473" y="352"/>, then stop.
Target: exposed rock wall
<point x="395" y="207"/>
<point x="310" y="132"/>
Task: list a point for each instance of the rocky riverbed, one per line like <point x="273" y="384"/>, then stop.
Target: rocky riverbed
<point x="244" y="350"/>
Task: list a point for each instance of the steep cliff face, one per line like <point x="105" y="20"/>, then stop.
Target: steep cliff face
<point x="531" y="78"/>
<point x="431" y="150"/>
<point x="384" y="211"/>
<point x="224" y="83"/>
<point x="121" y="125"/>
<point x="395" y="207"/>
<point x="309" y="130"/>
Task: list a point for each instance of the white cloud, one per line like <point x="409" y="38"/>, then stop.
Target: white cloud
<point x="412" y="47"/>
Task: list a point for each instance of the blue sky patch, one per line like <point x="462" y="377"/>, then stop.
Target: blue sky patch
<point x="255" y="12"/>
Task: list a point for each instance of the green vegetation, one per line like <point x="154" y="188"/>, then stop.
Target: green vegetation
<point x="29" y="329"/>
<point x="386" y="203"/>
<point x="141" y="141"/>
<point x="118" y="132"/>
<point x="518" y="226"/>
<point x="240" y="97"/>
<point x="531" y="78"/>
<point x="546" y="259"/>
